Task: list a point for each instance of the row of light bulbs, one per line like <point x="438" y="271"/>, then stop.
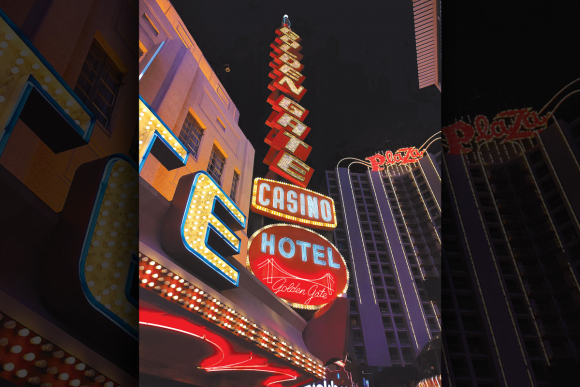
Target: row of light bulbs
<point x="155" y="277"/>
<point x="16" y="53"/>
<point x="31" y="359"/>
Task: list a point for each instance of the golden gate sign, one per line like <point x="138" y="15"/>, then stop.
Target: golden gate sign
<point x="287" y="150"/>
<point x="277" y="200"/>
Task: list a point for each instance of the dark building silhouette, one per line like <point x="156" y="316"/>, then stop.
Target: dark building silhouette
<point x="510" y="292"/>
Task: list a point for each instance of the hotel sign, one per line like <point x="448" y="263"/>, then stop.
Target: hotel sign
<point x="301" y="267"/>
<point x="289" y="203"/>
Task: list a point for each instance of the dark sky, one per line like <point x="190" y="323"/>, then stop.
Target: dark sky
<point x="500" y="55"/>
<point x="360" y="68"/>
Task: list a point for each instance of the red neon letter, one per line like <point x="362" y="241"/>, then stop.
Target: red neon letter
<point x="377" y="162"/>
<point x="457" y="135"/>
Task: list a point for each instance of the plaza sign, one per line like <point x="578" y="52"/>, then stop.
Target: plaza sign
<point x="524" y="123"/>
<point x="401" y="157"/>
<point x="301" y="267"/>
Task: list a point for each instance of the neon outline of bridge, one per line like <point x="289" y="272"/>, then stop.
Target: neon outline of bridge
<point x="326" y="281"/>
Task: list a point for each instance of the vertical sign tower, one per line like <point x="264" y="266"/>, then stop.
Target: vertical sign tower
<point x="288" y="151"/>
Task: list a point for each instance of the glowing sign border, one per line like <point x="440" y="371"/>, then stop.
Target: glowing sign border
<point x="32" y="82"/>
<point x="195" y="253"/>
<point x="274" y="213"/>
<point x="156" y="136"/>
<point x="87" y="244"/>
<point x="292" y="304"/>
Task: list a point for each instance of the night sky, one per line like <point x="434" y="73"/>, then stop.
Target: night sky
<point x="500" y="55"/>
<point x="360" y="68"/>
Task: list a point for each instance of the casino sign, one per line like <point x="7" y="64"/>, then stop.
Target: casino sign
<point x="301" y="267"/>
<point x="290" y="203"/>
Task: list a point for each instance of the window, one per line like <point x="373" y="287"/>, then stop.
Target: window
<point x="387" y="323"/>
<point x="407" y="355"/>
<point x="391" y="338"/>
<point x="383" y="308"/>
<point x="216" y="164"/>
<point x="353" y="306"/>
<point x="392" y="294"/>
<point x="399" y="323"/>
<point x="221" y="124"/>
<point x="381" y="294"/>
<point x="394" y="354"/>
<point x="235" y="183"/>
<point x="396" y="308"/>
<point x="190" y="134"/>
<point x="99" y="84"/>
<point x="357" y="336"/>
<point x="433" y="324"/>
<point x="403" y="338"/>
<point x="150" y="23"/>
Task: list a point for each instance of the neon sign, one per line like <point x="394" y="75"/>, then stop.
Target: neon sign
<point x="287" y="150"/>
<point x="525" y="123"/>
<point x="200" y="229"/>
<point x="301" y="267"/>
<point x="400" y="157"/>
<point x="170" y="286"/>
<point x="293" y="204"/>
<point x="225" y="358"/>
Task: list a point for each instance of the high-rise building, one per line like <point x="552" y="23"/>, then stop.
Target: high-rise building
<point x="510" y="292"/>
<point x="389" y="233"/>
<point x="427" y="17"/>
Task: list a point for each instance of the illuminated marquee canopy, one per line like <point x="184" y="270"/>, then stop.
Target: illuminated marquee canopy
<point x="287" y="202"/>
<point x="525" y="123"/>
<point x="301" y="267"/>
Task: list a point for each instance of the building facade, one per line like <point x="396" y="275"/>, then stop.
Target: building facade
<point x="68" y="76"/>
<point x="181" y="88"/>
<point x="510" y="290"/>
<point x="205" y="319"/>
<point x="427" y="18"/>
<point x="389" y="232"/>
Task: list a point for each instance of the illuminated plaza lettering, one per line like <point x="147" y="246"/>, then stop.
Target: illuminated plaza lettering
<point x="401" y="157"/>
<point x="525" y="123"/>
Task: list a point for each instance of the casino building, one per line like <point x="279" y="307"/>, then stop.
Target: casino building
<point x="510" y="292"/>
<point x="66" y="132"/>
<point x="389" y="232"/>
<point x="206" y="319"/>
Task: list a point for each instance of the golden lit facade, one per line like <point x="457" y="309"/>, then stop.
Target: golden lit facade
<point x="196" y="124"/>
